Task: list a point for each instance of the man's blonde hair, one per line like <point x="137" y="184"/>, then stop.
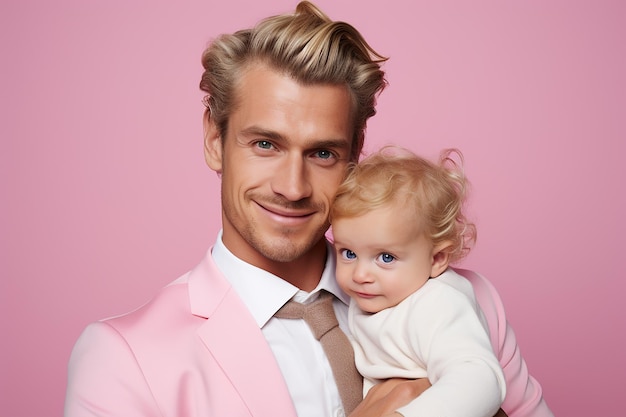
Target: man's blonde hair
<point x="306" y="46"/>
<point x="436" y="193"/>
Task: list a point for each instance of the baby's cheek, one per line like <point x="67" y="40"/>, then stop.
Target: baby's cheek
<point x="343" y="276"/>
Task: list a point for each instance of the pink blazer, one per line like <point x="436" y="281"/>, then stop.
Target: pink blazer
<point x="194" y="350"/>
<point x="524" y="396"/>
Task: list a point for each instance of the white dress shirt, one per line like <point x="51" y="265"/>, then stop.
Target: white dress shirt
<point x="299" y="355"/>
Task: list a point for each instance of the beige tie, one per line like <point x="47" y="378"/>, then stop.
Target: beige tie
<point x="320" y="316"/>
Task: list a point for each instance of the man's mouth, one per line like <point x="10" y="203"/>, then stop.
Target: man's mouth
<point x="287" y="216"/>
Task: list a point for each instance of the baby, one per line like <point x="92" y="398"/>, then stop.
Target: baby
<point x="398" y="224"/>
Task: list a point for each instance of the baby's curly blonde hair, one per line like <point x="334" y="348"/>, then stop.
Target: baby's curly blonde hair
<point x="435" y="192"/>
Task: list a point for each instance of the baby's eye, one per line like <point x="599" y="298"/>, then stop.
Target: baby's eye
<point x="386" y="258"/>
<point x="347" y="254"/>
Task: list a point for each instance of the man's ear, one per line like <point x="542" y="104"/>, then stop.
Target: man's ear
<point x="440" y="258"/>
<point x="212" y="143"/>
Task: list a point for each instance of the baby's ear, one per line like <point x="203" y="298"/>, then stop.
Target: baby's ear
<point x="440" y="258"/>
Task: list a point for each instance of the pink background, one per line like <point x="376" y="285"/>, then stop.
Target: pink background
<point x="106" y="197"/>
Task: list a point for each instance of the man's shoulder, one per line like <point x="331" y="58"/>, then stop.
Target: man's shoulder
<point x="169" y="306"/>
<point x="187" y="300"/>
<point x="454" y="280"/>
<point x="478" y="281"/>
<point x="486" y="294"/>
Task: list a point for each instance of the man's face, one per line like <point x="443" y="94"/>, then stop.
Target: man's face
<point x="284" y="156"/>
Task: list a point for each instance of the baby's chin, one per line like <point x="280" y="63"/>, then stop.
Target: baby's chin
<point x="371" y="305"/>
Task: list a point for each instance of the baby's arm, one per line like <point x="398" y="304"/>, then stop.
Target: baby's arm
<point x="383" y="399"/>
<point x="447" y="335"/>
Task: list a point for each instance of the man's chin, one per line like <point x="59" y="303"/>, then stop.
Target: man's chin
<point x="287" y="248"/>
<point x="284" y="253"/>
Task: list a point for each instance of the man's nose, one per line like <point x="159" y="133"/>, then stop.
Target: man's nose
<point x="292" y="179"/>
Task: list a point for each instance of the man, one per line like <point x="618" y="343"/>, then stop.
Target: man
<point x="287" y="106"/>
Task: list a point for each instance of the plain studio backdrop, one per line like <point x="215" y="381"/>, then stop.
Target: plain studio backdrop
<point x="105" y="196"/>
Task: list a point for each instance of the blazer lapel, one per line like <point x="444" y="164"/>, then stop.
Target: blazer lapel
<point x="236" y="342"/>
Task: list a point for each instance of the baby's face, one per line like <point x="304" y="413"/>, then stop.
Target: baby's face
<point x="382" y="257"/>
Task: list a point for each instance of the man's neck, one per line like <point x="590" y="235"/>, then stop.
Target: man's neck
<point x="304" y="272"/>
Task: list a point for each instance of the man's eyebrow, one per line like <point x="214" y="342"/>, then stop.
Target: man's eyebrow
<point x="265" y="133"/>
<point x="331" y="144"/>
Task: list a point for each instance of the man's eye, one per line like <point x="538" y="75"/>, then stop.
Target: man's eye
<point x="386" y="258"/>
<point x="324" y="154"/>
<point x="348" y="254"/>
<point x="264" y="144"/>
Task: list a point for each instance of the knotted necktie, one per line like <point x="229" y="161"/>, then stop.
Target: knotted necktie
<point x="320" y="316"/>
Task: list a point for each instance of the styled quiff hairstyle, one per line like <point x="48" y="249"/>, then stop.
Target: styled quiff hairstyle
<point x="306" y="46"/>
<point x="434" y="192"/>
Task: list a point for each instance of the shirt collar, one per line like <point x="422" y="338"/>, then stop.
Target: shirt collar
<point x="264" y="293"/>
